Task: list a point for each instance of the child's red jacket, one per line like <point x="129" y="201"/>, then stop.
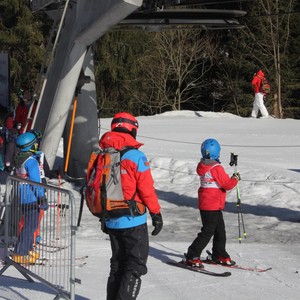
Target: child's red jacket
<point x="214" y="182"/>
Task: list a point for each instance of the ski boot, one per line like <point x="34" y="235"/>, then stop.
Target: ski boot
<point x="225" y="261"/>
<point x="220" y="260"/>
<point x="34" y="254"/>
<point x="193" y="261"/>
<point x="23" y="259"/>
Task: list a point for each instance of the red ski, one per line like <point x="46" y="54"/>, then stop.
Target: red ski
<point x="211" y="262"/>
<point x="183" y="265"/>
<point x="261" y="270"/>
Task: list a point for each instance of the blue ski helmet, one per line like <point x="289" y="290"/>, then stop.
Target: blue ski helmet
<point x="210" y="148"/>
<point x="26" y="141"/>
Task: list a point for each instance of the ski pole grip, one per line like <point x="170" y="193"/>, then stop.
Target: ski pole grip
<point x="233" y="159"/>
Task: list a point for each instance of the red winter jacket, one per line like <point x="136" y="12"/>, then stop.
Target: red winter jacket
<point x="135" y="170"/>
<point x="214" y="182"/>
<point x="256" y="81"/>
<point x="21" y="116"/>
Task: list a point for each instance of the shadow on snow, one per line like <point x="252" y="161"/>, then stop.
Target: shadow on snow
<point x="282" y="214"/>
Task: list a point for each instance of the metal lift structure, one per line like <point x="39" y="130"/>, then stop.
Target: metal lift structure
<point x="67" y="105"/>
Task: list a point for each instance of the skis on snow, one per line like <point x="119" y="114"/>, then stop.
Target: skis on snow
<point x="260" y="270"/>
<point x="183" y="265"/>
<point x="51" y="262"/>
<point x="253" y="269"/>
<point x="51" y="248"/>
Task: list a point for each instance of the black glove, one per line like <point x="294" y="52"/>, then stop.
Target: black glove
<point x="43" y="203"/>
<point x="237" y="176"/>
<point x="157" y="222"/>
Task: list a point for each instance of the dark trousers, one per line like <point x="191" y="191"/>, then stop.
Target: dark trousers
<point x="213" y="226"/>
<point x="31" y="217"/>
<point x="130" y="249"/>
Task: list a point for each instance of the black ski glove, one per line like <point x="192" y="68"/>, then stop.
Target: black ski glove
<point x="157" y="222"/>
<point x="237" y="176"/>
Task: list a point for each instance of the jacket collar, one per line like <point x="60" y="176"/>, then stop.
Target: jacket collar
<point x="118" y="140"/>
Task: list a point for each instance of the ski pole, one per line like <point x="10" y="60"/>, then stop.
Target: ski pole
<point x="242" y="217"/>
<point x="71" y="134"/>
<point x="58" y="209"/>
<point x="233" y="162"/>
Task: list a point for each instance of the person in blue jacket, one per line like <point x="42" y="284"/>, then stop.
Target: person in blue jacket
<point x="31" y="198"/>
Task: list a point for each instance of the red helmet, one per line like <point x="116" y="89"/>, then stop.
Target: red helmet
<point x="125" y="122"/>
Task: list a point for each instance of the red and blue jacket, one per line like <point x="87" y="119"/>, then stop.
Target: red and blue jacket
<point x="27" y="167"/>
<point x="136" y="178"/>
<point x="214" y="182"/>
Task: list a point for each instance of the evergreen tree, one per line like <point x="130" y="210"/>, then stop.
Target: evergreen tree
<point x="22" y="34"/>
<point x="117" y="54"/>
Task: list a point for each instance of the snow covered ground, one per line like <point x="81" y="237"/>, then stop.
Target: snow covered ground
<point x="269" y="163"/>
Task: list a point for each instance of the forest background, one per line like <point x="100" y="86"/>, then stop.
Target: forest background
<point x="187" y="68"/>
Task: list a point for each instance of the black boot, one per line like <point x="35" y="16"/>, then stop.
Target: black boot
<point x="113" y="284"/>
<point x="129" y="287"/>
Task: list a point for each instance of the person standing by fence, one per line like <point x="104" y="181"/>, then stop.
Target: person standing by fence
<point x="30" y="197"/>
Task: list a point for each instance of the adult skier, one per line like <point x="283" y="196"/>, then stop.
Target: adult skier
<point x="259" y="95"/>
<point x="129" y="233"/>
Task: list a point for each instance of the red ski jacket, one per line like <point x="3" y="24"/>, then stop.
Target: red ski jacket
<point x="21" y="116"/>
<point x="256" y="81"/>
<point x="135" y="169"/>
<point x="214" y="182"/>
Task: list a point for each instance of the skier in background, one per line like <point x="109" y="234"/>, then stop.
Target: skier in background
<point x="12" y="134"/>
<point x="23" y="109"/>
<point x="214" y="182"/>
<point x="258" y="103"/>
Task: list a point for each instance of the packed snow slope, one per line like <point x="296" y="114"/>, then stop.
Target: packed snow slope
<point x="269" y="164"/>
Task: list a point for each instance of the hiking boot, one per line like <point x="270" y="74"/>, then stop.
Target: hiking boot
<point x="34" y="254"/>
<point x="225" y="261"/>
<point x="194" y="262"/>
<point x="23" y="259"/>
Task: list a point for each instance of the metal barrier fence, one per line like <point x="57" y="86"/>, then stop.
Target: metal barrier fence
<point x="48" y="234"/>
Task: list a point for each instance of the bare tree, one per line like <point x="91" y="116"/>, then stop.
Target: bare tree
<point x="174" y="67"/>
<point x="270" y="37"/>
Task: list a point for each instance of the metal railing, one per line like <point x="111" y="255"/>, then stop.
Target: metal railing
<point x="39" y="241"/>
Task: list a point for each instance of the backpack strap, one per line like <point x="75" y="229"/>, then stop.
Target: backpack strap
<point x="131" y="203"/>
<point x="124" y="150"/>
<point x="133" y="208"/>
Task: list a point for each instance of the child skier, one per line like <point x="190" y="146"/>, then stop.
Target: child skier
<point x="31" y="198"/>
<point x="39" y="156"/>
<point x="214" y="182"/>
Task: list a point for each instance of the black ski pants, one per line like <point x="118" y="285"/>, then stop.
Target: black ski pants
<point x="213" y="226"/>
<point x="130" y="249"/>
